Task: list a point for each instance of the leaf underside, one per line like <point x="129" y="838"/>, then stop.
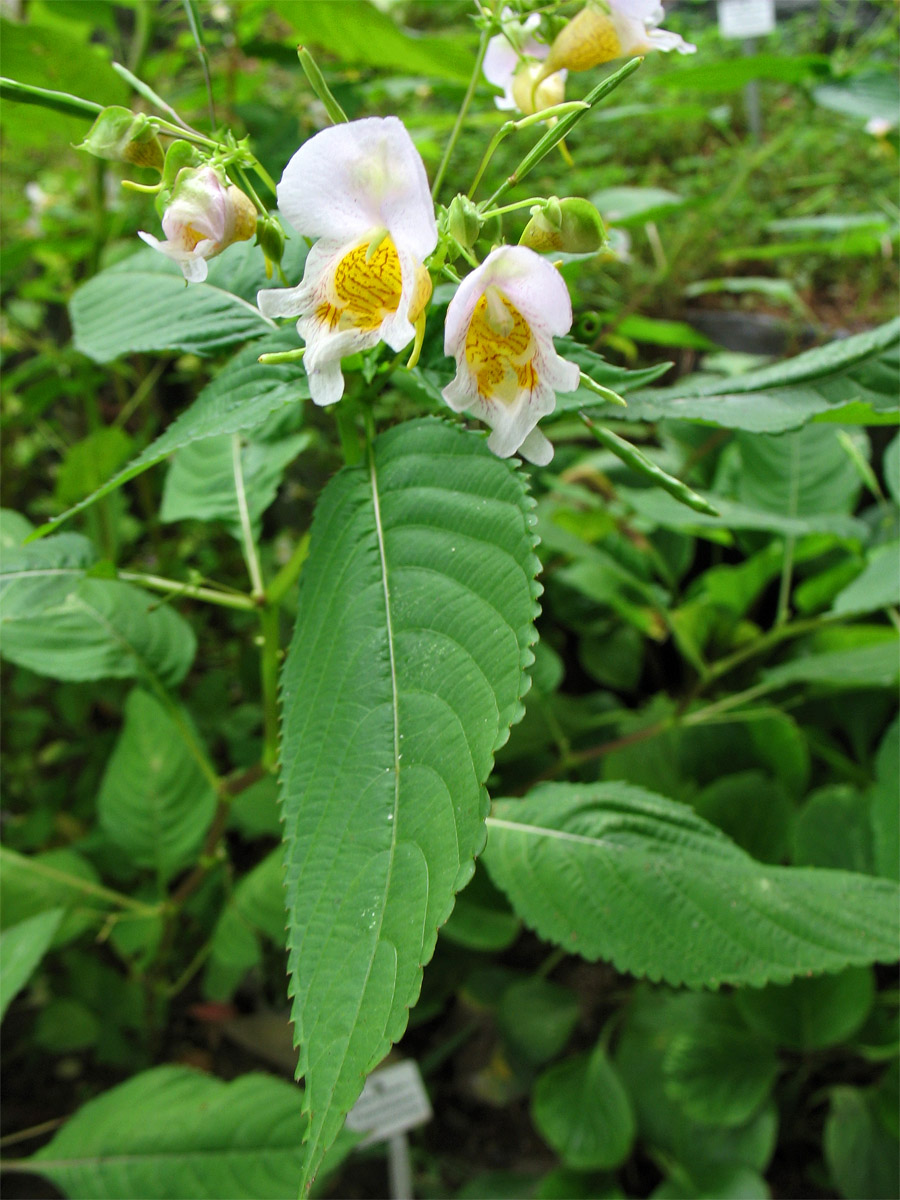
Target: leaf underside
<point x="405" y="673"/>
<point x="615" y="872"/>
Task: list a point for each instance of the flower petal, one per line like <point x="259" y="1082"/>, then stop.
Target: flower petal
<point x="351" y="179"/>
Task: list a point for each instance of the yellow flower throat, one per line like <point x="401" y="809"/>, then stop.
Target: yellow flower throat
<point x="367" y="285"/>
<point x="500" y="348"/>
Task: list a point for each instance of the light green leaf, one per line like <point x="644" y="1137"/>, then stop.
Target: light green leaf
<point x="798" y="474"/>
<point x="810" y="1014"/>
<point x="730" y="75"/>
<point x="101" y="629"/>
<point x="358" y="33"/>
<point x="873" y="665"/>
<point x="202" y="482"/>
<point x="891" y="465"/>
<point x="154" y="802"/>
<point x="14" y="529"/>
<point x="615" y="872"/>
<point x="714" y="1070"/>
<point x="30" y="885"/>
<point x="862" y="96"/>
<point x="40" y="576"/>
<point x="89" y="463"/>
<point x="877" y="587"/>
<point x="861" y="1154"/>
<point x="820" y="382"/>
<point x="172" y="1131"/>
<point x="241" y="397"/>
<point x="581" y="1109"/>
<point x="22" y="947"/>
<point x="406" y="669"/>
<point x="634" y="205"/>
<point x="123" y="312"/>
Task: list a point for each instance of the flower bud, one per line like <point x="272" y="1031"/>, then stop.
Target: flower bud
<point x="201" y="218"/>
<point x="120" y="135"/>
<point x="534" y="88"/>
<point x="572" y="226"/>
<point x="464" y="221"/>
<point x="270" y="239"/>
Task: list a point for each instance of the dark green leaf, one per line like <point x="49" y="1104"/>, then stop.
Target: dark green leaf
<point x="810" y="1014"/>
<point x="581" y="1108"/>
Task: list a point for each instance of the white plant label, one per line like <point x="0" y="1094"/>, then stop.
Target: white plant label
<point x="746" y="18"/>
<point x="393" y="1100"/>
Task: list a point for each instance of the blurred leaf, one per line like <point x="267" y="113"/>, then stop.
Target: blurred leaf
<point x="863" y="96"/>
<point x="715" y="1070"/>
<point x="173" y="1131"/>
<point x="536" y="1018"/>
<point x="885" y="812"/>
<point x="731" y="74"/>
<point x="861" y="1155"/>
<point x="242" y="396"/>
<point x="581" y="1109"/>
<point x="481" y="918"/>
<point x="154" y="802"/>
<point x="635" y="205"/>
<point x="565" y="1184"/>
<point x="833" y="830"/>
<point x="35" y="884"/>
<point x="66" y="1026"/>
<point x="877" y="587"/>
<point x="892" y="469"/>
<point x="22" y="947"/>
<point x="861" y="667"/>
<point x="721" y="1183"/>
<point x="41" y="575"/>
<point x="797" y="474"/>
<point x="591" y="867"/>
<point x="810" y="1014"/>
<point x="201" y="482"/>
<point x="754" y="811"/>
<point x="89" y="463"/>
<point x="14" y="529"/>
<point x="254" y="811"/>
<point x="358" y="33"/>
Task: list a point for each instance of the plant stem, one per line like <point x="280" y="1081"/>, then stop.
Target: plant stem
<point x="190" y="591"/>
<point x="251" y="555"/>
<point x="76" y="883"/>
<point x="320" y="87"/>
<point x="281" y="584"/>
<point x="464" y="108"/>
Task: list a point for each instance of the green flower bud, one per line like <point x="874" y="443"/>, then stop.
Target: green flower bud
<point x="270" y="239"/>
<point x="120" y="135"/>
<point x="464" y="221"/>
<point x="572" y="226"/>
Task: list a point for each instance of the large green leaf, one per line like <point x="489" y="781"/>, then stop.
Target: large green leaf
<point x="144" y="308"/>
<point x="21" y="949"/>
<point x="154" y="802"/>
<point x="797" y="474"/>
<point x="81" y="628"/>
<point x="241" y="397"/>
<point x="172" y="1131"/>
<point x="36" y="577"/>
<point x="616" y="872"/>
<point x="825" y="382"/>
<point x="30" y="885"/>
<point x="405" y="672"/>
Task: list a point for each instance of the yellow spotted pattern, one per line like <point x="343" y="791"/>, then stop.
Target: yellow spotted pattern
<point x="588" y="40"/>
<point x="502" y="362"/>
<point x="366" y="292"/>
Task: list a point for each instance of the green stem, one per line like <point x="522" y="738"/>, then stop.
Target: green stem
<point x="508" y="208"/>
<point x="64" y="102"/>
<point x="251" y="555"/>
<point x="347" y="432"/>
<point x="464" y="108"/>
<point x="320" y="87"/>
<point x="190" y="591"/>
<point x="269" y="660"/>
<point x="76" y="883"/>
<point x="281" y="584"/>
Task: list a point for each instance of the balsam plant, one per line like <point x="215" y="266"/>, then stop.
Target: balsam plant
<point x="414" y="648"/>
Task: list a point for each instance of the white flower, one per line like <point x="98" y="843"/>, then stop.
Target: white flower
<point x="609" y="29"/>
<point x="500" y="329"/>
<point x="361" y="190"/>
<point x="202" y="218"/>
<point x="506" y="66"/>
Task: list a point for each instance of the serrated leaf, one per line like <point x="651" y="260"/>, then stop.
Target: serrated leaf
<point x="172" y="1131"/>
<point x="615" y="872"/>
<point x="22" y="947"/>
<point x="127" y="311"/>
<point x="154" y="801"/>
<point x="818" y="383"/>
<point x="101" y="629"/>
<point x="714" y="1070"/>
<point x="581" y="1108"/>
<point x="241" y="397"/>
<point x="405" y="672"/>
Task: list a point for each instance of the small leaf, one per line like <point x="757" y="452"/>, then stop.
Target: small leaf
<point x="21" y="949"/>
<point x="878" y="586"/>
<point x="810" y="1014"/>
<point x="582" y="1110"/>
<point x="172" y="1131"/>
<point x="154" y="802"/>
<point x="615" y="872"/>
<point x="865" y="666"/>
<point x="481" y="918"/>
<point x="714" y="1070"/>
<point x="861" y="1155"/>
<point x="885" y="813"/>
<point x="833" y="830"/>
<point x="406" y="670"/>
<point x="31" y="885"/>
<point x="537" y="1018"/>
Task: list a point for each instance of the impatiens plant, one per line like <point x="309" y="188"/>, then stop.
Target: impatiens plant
<point x="393" y="648"/>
